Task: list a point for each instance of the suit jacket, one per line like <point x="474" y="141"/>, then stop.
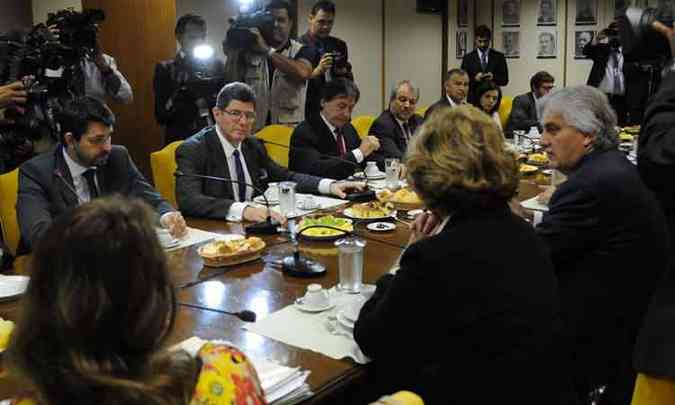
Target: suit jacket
<point x="599" y="54"/>
<point x="443" y="102"/>
<point x="46" y="190"/>
<point x="608" y="242"/>
<point x="523" y="113"/>
<point x="314" y="150"/>
<point x="453" y="314"/>
<point x="393" y="143"/>
<point x="496" y="65"/>
<point x="203" y="154"/>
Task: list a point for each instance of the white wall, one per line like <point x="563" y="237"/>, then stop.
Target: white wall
<point x="42" y="7"/>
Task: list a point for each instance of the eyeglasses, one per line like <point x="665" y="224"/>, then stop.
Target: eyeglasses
<point x="99" y="141"/>
<point x="238" y="115"/>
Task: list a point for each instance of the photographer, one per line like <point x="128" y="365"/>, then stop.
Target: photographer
<point x="186" y="87"/>
<point x="11" y="155"/>
<point x="275" y="66"/>
<point x="332" y="54"/>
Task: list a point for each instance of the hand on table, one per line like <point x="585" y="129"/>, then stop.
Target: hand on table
<point x="424" y="226"/>
<point x="340" y="188"/>
<point x="259" y="214"/>
<point x="175" y="223"/>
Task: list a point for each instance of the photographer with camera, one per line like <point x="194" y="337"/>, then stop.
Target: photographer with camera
<point x="187" y="85"/>
<point x="261" y="53"/>
<point x="11" y="95"/>
<point x="332" y="54"/>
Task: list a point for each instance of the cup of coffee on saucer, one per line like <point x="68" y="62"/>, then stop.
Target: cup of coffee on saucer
<point x="372" y="170"/>
<point x="316" y="299"/>
<point x="272" y="192"/>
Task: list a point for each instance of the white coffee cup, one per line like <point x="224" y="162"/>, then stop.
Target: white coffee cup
<point x="272" y="192"/>
<point x="371" y="169"/>
<point x="164" y="236"/>
<point x="316" y="296"/>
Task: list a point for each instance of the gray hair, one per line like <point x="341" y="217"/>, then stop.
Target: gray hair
<point x="586" y="109"/>
<point x="397" y="85"/>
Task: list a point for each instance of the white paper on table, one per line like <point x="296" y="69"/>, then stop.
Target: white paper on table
<point x="534" y="205"/>
<point x="322" y="201"/>
<point x="194" y="237"/>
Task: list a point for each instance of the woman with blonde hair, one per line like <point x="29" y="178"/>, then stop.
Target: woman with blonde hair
<point x="469" y="316"/>
<point x="96" y="315"/>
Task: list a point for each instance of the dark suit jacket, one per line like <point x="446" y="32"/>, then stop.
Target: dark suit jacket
<point x="203" y="154"/>
<point x="496" y="65"/>
<point x="46" y="190"/>
<point x="443" y="102"/>
<point x="314" y="150"/>
<point x="599" y="54"/>
<point x="464" y="325"/>
<point x="393" y="143"/>
<point x="523" y="113"/>
<point x="608" y="242"/>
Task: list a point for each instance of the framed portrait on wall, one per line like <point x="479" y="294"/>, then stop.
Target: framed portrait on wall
<point x="510" y="13"/>
<point x="586" y="12"/>
<point x="581" y="38"/>
<point x="461" y="39"/>
<point x="547" y="44"/>
<point x="462" y="13"/>
<point x="511" y="44"/>
<point x="547" y="12"/>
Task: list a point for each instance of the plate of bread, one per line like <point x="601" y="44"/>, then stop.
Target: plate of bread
<point x="527" y="169"/>
<point x="370" y="211"/>
<point x="231" y="251"/>
<point x="537" y="159"/>
<point x="402" y="199"/>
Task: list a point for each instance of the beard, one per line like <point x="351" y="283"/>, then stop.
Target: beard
<point x="88" y="161"/>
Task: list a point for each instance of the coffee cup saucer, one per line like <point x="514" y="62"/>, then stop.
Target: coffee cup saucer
<point x="300" y="304"/>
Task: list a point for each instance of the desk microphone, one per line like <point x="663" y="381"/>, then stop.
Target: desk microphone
<point x="263" y="228"/>
<point x="58" y="174"/>
<point x="245" y="315"/>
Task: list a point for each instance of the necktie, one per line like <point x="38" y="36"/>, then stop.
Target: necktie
<point x="614" y="56"/>
<point x="406" y="132"/>
<point x="483" y="60"/>
<point x="89" y="177"/>
<point x="340" y="139"/>
<point x="240" y="175"/>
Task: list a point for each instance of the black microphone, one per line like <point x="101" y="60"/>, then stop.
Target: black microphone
<point x="262" y="228"/>
<point x="245" y="315"/>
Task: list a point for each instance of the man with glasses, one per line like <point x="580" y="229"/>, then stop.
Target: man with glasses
<point x="228" y="151"/>
<point x="525" y="111"/>
<point x="84" y="166"/>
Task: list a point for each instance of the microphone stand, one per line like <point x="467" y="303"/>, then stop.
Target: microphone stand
<point x="263" y="228"/>
<point x="245" y="315"/>
<point x="299" y="266"/>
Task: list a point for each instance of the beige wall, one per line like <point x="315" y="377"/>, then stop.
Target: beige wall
<point x="42" y="7"/>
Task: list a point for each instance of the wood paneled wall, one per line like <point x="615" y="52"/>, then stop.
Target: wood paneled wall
<point x="138" y="34"/>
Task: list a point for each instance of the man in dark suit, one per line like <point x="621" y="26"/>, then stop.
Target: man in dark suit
<point x="484" y="63"/>
<point x="524" y="114"/>
<point x="602" y="224"/>
<point x="456" y="90"/>
<point x="181" y="99"/>
<point x="396" y="125"/>
<point x="83" y="167"/>
<point x="227" y="150"/>
<point x="329" y="146"/>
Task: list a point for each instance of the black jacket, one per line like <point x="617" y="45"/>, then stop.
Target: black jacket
<point x="496" y="65"/>
<point x="599" y="54"/>
<point x="393" y="143"/>
<point x="523" y="113"/>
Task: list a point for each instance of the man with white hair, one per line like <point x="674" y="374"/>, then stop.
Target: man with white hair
<point x="601" y="225"/>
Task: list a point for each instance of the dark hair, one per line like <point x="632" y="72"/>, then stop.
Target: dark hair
<point x="540" y="78"/>
<point x="482" y="88"/>
<point x="77" y="114"/>
<point x="97" y="312"/>
<point x="279" y="4"/>
<point x="483" y="31"/>
<point x="235" y="91"/>
<point x="455" y="71"/>
<point x="326" y="5"/>
<point x="340" y="88"/>
<point x="183" y="21"/>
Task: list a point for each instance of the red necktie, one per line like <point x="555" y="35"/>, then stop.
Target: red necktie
<point x="340" y="139"/>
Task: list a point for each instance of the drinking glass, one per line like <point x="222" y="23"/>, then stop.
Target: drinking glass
<point x="350" y="264"/>
<point x="287" y="198"/>
<point x="392" y="168"/>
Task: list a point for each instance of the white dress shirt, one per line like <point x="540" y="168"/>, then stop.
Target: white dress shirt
<point x="76" y="173"/>
<point x="480" y="56"/>
<point x="358" y="155"/>
<point x="613" y="82"/>
<point x="407" y="133"/>
<point x="452" y="102"/>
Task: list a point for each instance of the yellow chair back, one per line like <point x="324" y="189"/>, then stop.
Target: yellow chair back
<point x="421" y="110"/>
<point x="280" y="134"/>
<point x="505" y="109"/>
<point x="653" y="391"/>
<point x="9" y="190"/>
<point x="163" y="164"/>
<point x="362" y="124"/>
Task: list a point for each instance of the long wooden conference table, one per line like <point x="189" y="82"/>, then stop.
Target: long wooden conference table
<point x="203" y="292"/>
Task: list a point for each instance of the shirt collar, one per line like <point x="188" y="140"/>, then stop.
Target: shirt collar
<point x="75" y="168"/>
<point x="451" y="101"/>
<point x="481" y="53"/>
<point x="328" y="124"/>
<point x="227" y="146"/>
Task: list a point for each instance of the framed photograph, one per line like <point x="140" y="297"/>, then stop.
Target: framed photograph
<point x="586" y="12"/>
<point x="547" y="45"/>
<point x="581" y="38"/>
<point x="510" y="13"/>
<point x="547" y="12"/>
<point x="463" y="13"/>
<point x="461" y="39"/>
<point x="511" y="44"/>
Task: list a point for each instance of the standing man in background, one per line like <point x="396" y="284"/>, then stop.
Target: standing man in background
<point x="332" y="59"/>
<point x="484" y="63"/>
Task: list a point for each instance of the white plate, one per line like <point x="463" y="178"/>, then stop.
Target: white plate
<point x="12" y="286"/>
<point x="229" y="236"/>
<point x="261" y="200"/>
<point x="350" y="214"/>
<point x="361" y="176"/>
<point x="342" y="320"/>
<point x="381" y="226"/>
<point x="299" y="304"/>
<point x="171" y="244"/>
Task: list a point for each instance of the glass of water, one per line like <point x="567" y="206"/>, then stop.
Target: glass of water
<point x="287" y="198"/>
<point x="350" y="264"/>
<point x="392" y="168"/>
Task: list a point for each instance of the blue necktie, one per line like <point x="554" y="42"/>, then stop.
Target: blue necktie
<point x="89" y="177"/>
<point x="483" y="60"/>
<point x="240" y="175"/>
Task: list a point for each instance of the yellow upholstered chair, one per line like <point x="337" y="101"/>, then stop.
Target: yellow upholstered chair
<point x="362" y="124"/>
<point x="421" y="110"/>
<point x="281" y="135"/>
<point x="505" y="109"/>
<point x="653" y="391"/>
<point x="9" y="190"/>
<point x="163" y="164"/>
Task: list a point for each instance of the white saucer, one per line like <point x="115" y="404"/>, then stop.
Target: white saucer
<point x="378" y="176"/>
<point x="301" y="306"/>
<point x="171" y="244"/>
<point x="12" y="286"/>
<point x="342" y="320"/>
<point x="261" y="200"/>
<point x="381" y="226"/>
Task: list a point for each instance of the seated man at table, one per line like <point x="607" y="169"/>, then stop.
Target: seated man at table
<point x="456" y="90"/>
<point x="228" y="151"/>
<point x="84" y="166"/>
<point x="396" y="125"/>
<point x="329" y="146"/>
<point x="607" y="238"/>
<point x="524" y="113"/>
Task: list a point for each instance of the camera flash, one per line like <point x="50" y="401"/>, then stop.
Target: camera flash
<point x="203" y="51"/>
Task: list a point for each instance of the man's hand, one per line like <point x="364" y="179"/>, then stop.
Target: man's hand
<point x="175" y="223"/>
<point x="424" y="226"/>
<point x="13" y="93"/>
<point x="402" y="172"/>
<point x="667" y="33"/>
<point x="488" y="76"/>
<point x="324" y="65"/>
<point x="260" y="43"/>
<point x="259" y="214"/>
<point x="369" y="145"/>
<point x="340" y="188"/>
<point x="518" y="209"/>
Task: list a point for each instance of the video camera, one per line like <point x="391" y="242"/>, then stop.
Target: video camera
<point x="239" y="36"/>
